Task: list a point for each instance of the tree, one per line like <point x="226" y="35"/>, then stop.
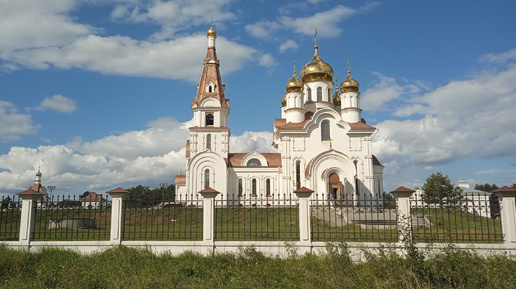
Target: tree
<point x="438" y="189"/>
<point x="486" y="187"/>
<point x="6" y="203"/>
<point x="85" y="194"/>
<point x="388" y="201"/>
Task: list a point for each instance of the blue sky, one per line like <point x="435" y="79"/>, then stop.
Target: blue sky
<point x="97" y="93"/>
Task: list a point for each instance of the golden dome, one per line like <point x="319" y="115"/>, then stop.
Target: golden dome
<point x="38" y="174"/>
<point x="284" y="101"/>
<point x="212" y="32"/>
<point x="316" y="69"/>
<point x="294" y="84"/>
<point x="349" y="84"/>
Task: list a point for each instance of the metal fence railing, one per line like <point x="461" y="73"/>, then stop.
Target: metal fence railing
<point x="178" y="220"/>
<point x="67" y="218"/>
<point x="256" y="218"/>
<point x="472" y="218"/>
<point x="343" y="220"/>
<point x="10" y="217"/>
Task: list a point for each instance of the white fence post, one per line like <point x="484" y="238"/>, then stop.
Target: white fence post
<point x="404" y="220"/>
<point x="28" y="215"/>
<point x="507" y="197"/>
<point x="304" y="214"/>
<point x="208" y="211"/>
<point x="118" y="197"/>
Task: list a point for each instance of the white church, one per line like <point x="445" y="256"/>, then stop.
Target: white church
<point x="321" y="142"/>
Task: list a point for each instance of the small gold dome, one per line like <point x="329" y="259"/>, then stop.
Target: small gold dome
<point x="294" y="84"/>
<point x="349" y="84"/>
<point x="316" y="69"/>
<point x="284" y="101"/>
<point x="336" y="96"/>
<point x="38" y="174"/>
<point x="212" y="32"/>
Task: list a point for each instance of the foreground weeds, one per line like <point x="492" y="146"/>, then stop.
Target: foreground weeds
<point x="122" y="267"/>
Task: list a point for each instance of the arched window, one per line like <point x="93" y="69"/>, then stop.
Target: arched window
<point x="240" y="187"/>
<point x="309" y="92"/>
<point x="325" y="130"/>
<point x="253" y="187"/>
<point x="209" y="119"/>
<point x="208" y="141"/>
<point x="210" y="88"/>
<point x="254" y="162"/>
<point x="268" y="187"/>
<point x="298" y="174"/>
<point x="329" y="95"/>
<point x="206" y="178"/>
<point x="319" y="94"/>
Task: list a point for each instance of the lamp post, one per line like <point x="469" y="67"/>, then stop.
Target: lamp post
<point x="50" y="188"/>
<point x="163" y="185"/>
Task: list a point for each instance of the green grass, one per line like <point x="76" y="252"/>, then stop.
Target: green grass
<point x="122" y="267"/>
<point x="456" y="226"/>
<point x="251" y="224"/>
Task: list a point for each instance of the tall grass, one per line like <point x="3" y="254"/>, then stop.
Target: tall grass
<point x="122" y="267"/>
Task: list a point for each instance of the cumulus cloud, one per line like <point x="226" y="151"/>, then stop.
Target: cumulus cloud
<point x="14" y="124"/>
<point x="136" y="157"/>
<point x="288" y="45"/>
<point x="267" y="60"/>
<point x="173" y="15"/>
<point x="327" y="22"/>
<point x="251" y="141"/>
<point x="59" y="103"/>
<point x="44" y="35"/>
<point x="466" y="118"/>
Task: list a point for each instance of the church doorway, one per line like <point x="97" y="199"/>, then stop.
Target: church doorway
<point x="335" y="187"/>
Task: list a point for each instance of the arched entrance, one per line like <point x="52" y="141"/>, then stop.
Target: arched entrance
<point x="335" y="187"/>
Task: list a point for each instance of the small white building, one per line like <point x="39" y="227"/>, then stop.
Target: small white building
<point x="93" y="201"/>
<point x="321" y="141"/>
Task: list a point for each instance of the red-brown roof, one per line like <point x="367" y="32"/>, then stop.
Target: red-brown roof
<point x="281" y="123"/>
<point x="92" y="197"/>
<point x="30" y="191"/>
<point x="360" y="125"/>
<point x="180" y="180"/>
<point x="273" y="159"/>
<point x="209" y="190"/>
<point x="303" y="189"/>
<point x="504" y="189"/>
<point x="118" y="190"/>
<point x="403" y="189"/>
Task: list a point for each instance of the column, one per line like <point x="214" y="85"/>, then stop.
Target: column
<point x="28" y="215"/>
<point x="304" y="214"/>
<point x="507" y="197"/>
<point x="404" y="220"/>
<point x="118" y="198"/>
<point x="208" y="210"/>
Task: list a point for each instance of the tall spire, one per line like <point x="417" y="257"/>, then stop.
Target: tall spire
<point x="210" y="83"/>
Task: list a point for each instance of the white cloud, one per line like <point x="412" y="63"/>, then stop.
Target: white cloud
<point x="14" y="124"/>
<point x="326" y="22"/>
<point x="59" y="103"/>
<point x="174" y="15"/>
<point x="386" y="90"/>
<point x="43" y="35"/>
<point x="136" y="157"/>
<point x="288" y="44"/>
<point x="267" y="60"/>
<point x="467" y="118"/>
<point x="251" y="141"/>
<point x="126" y="56"/>
<point x="262" y="29"/>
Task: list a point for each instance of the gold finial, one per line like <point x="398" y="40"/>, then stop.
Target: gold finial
<point x="349" y="72"/>
<point x="336" y="86"/>
<point x="38" y="174"/>
<point x="294" y="66"/>
<point x="315" y="37"/>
